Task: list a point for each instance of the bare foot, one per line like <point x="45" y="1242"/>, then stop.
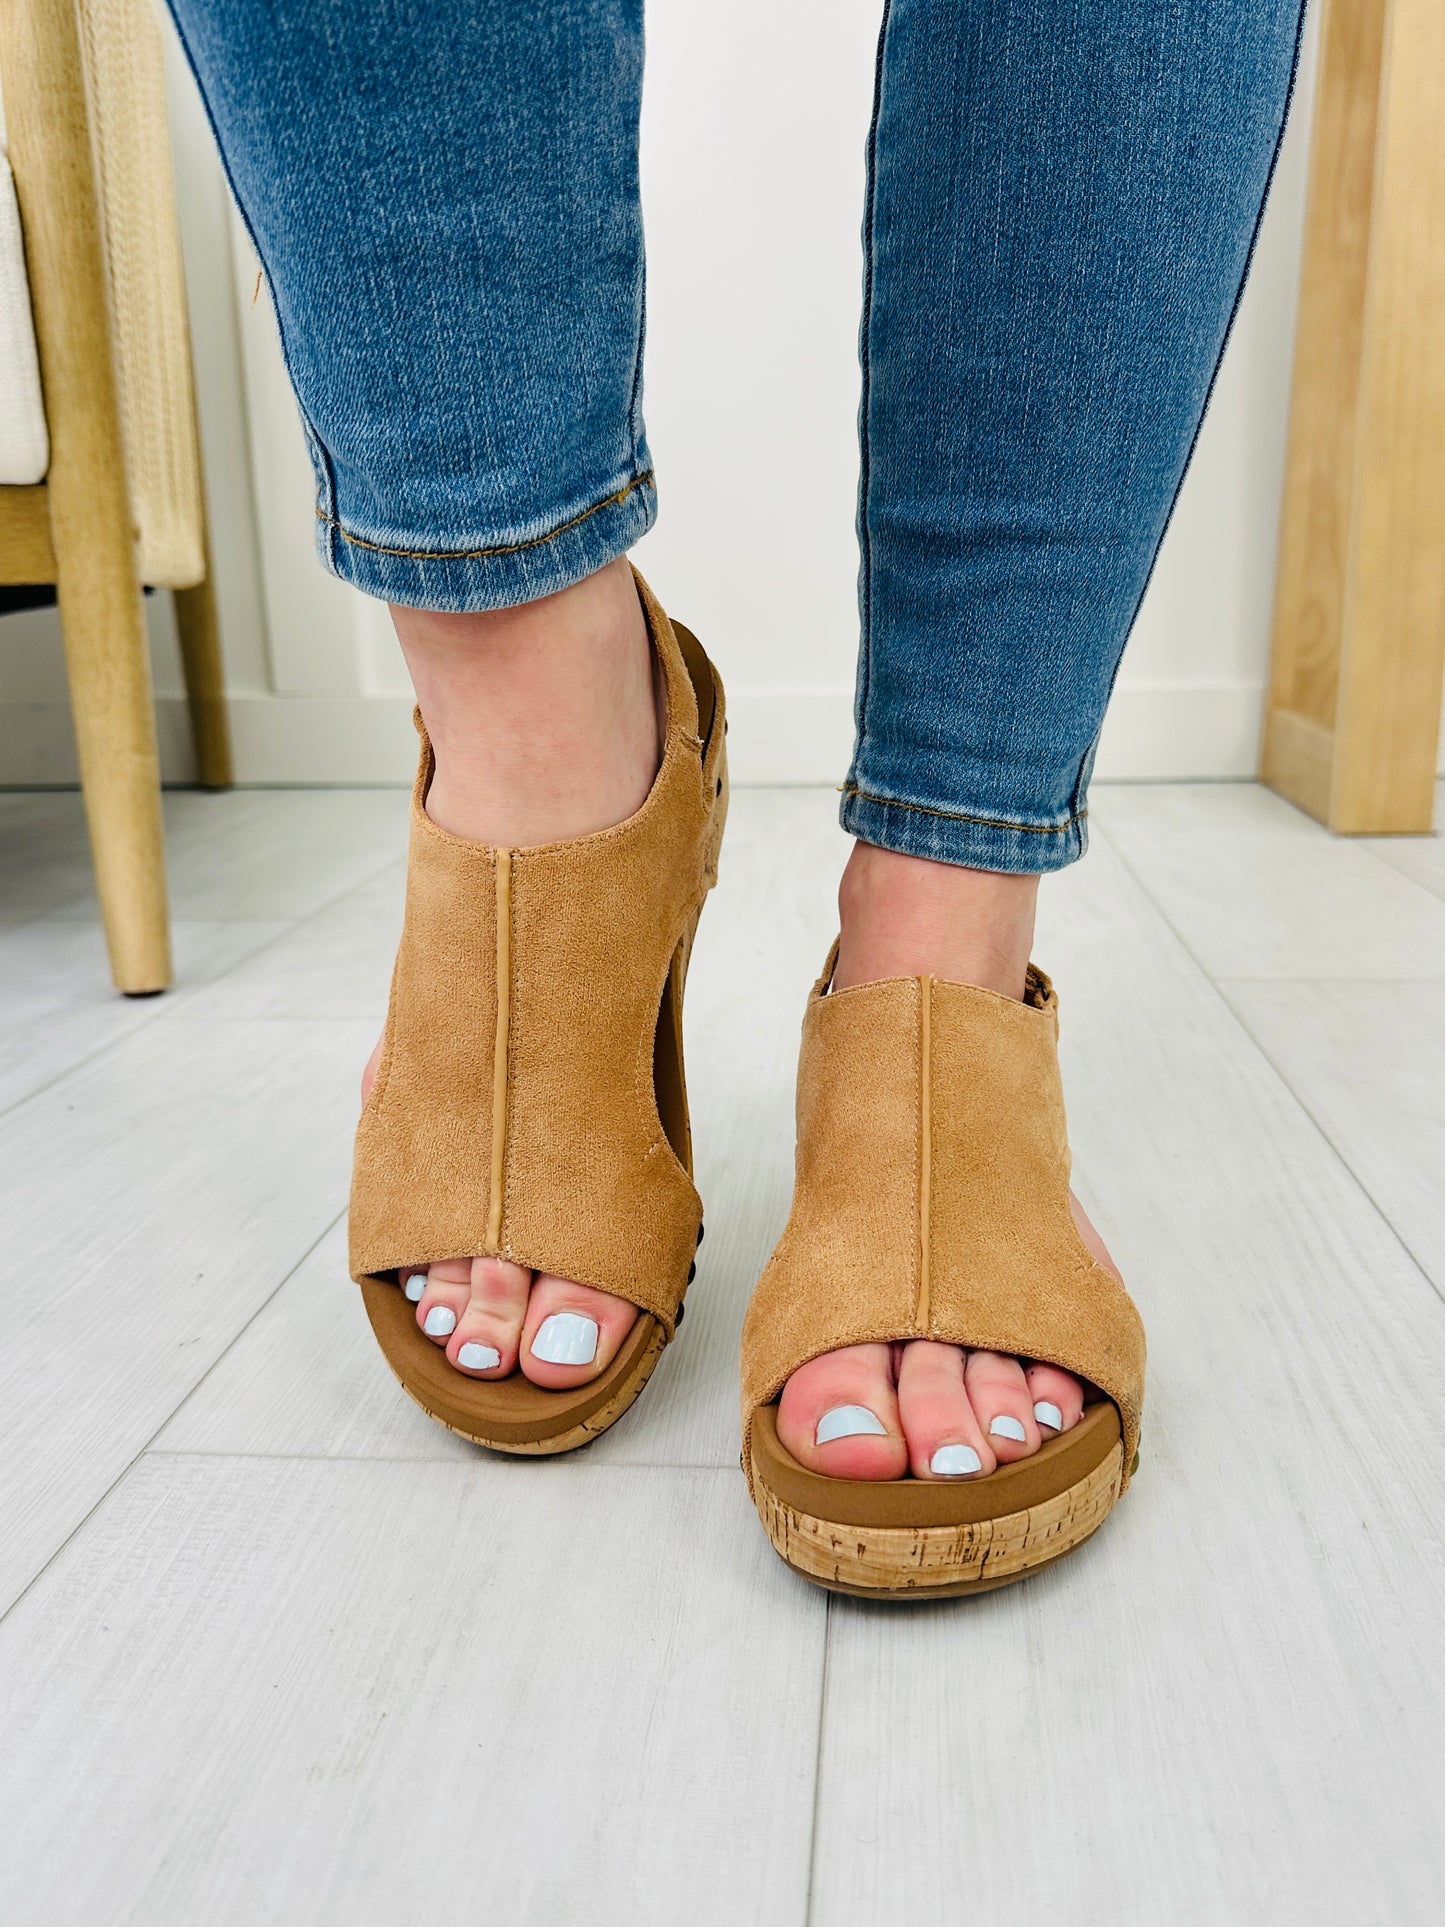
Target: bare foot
<point x="937" y="1411"/>
<point x="547" y="722"/>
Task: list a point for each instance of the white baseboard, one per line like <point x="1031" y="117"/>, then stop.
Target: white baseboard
<point x="1155" y="733"/>
<point x="1181" y="732"/>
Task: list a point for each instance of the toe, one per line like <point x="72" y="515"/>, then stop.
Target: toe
<point x="489" y="1330"/>
<point x="999" y="1394"/>
<point x="945" y="1439"/>
<point x="444" y="1298"/>
<point x="572" y="1332"/>
<point x="839" y="1415"/>
<point x="1057" y="1398"/>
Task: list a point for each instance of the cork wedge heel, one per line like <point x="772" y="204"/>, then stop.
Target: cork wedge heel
<point x="530" y="1102"/>
<point x="932" y="1201"/>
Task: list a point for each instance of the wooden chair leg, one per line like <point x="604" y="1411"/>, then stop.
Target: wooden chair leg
<point x="1353" y="717"/>
<point x="90" y="525"/>
<point x="200" y="639"/>
<point x="108" y="664"/>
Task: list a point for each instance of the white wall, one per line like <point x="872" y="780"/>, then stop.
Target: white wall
<point x="753" y="168"/>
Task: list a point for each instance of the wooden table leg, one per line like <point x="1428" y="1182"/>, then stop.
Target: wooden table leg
<point x="1352" y="724"/>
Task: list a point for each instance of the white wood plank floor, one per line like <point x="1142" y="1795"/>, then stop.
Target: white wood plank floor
<point x="277" y="1649"/>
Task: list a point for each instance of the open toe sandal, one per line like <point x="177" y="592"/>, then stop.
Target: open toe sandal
<point x="932" y="1201"/>
<point x="530" y="1101"/>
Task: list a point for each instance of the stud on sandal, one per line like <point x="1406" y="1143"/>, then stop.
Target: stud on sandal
<point x="530" y="1102"/>
<point x="932" y="1201"/>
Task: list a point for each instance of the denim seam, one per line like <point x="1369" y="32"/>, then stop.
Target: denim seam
<point x="962" y="816"/>
<point x="320" y="454"/>
<point x="641" y="348"/>
<point x="865" y="665"/>
<point x="1086" y="761"/>
<point x="505" y="548"/>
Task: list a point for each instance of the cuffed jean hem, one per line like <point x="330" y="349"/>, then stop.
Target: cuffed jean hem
<point x="973" y="839"/>
<point x="496" y="576"/>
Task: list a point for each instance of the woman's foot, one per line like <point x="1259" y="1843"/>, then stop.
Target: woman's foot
<point x="546" y="723"/>
<point x="937" y="1411"/>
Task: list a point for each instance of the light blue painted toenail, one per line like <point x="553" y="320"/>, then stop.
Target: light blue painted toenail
<point x="1047" y="1414"/>
<point x="440" y="1323"/>
<point x="566" y="1338"/>
<point x="849" y="1422"/>
<point x="478" y="1358"/>
<point x="415" y="1286"/>
<point x="955" y="1461"/>
<point x="1004" y="1427"/>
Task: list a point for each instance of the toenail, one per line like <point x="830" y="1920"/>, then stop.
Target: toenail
<point x="1004" y="1427"/>
<point x="478" y="1358"/>
<point x="566" y="1338"/>
<point x="955" y="1461"/>
<point x="415" y="1286"/>
<point x="1047" y="1414"/>
<point x="440" y="1323"/>
<point x="849" y="1422"/>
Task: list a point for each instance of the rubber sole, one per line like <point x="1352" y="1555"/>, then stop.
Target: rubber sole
<point x="508" y="1414"/>
<point x="924" y="1539"/>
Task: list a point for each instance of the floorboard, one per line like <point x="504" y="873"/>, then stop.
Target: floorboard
<point x="154" y="1199"/>
<point x="1224" y="1707"/>
<point x="60" y="1006"/>
<point x="282" y="1650"/>
<point x="1367" y="1061"/>
<point x="367" y="1694"/>
<point x="1257" y="889"/>
<point x="1421" y="858"/>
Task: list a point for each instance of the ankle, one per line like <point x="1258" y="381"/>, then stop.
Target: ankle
<point x="544" y="719"/>
<point x="906" y="916"/>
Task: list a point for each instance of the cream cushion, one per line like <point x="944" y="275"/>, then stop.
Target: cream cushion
<point x="24" y="445"/>
<point x="126" y="94"/>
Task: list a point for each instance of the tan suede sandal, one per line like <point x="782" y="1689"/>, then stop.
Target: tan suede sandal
<point x="932" y="1201"/>
<point x="530" y="1102"/>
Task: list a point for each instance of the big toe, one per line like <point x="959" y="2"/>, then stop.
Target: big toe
<point x="839" y="1415"/>
<point x="572" y="1332"/>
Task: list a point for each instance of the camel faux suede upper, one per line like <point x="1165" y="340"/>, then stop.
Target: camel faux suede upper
<point x="932" y="1195"/>
<point x="514" y="1112"/>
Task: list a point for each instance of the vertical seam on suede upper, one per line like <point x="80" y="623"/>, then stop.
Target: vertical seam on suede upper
<point x="501" y="1051"/>
<point x="923" y="1310"/>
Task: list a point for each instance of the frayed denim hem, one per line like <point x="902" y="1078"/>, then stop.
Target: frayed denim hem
<point x="497" y="576"/>
<point x="973" y="839"/>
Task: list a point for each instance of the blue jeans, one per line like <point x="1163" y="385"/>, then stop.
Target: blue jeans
<point x="1062" y="201"/>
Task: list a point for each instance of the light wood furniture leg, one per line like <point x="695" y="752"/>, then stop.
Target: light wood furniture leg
<point x="200" y="638"/>
<point x="1359" y="628"/>
<point x="106" y="655"/>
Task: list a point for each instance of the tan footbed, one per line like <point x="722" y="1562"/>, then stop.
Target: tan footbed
<point x="530" y="1101"/>
<point x="932" y="1201"/>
